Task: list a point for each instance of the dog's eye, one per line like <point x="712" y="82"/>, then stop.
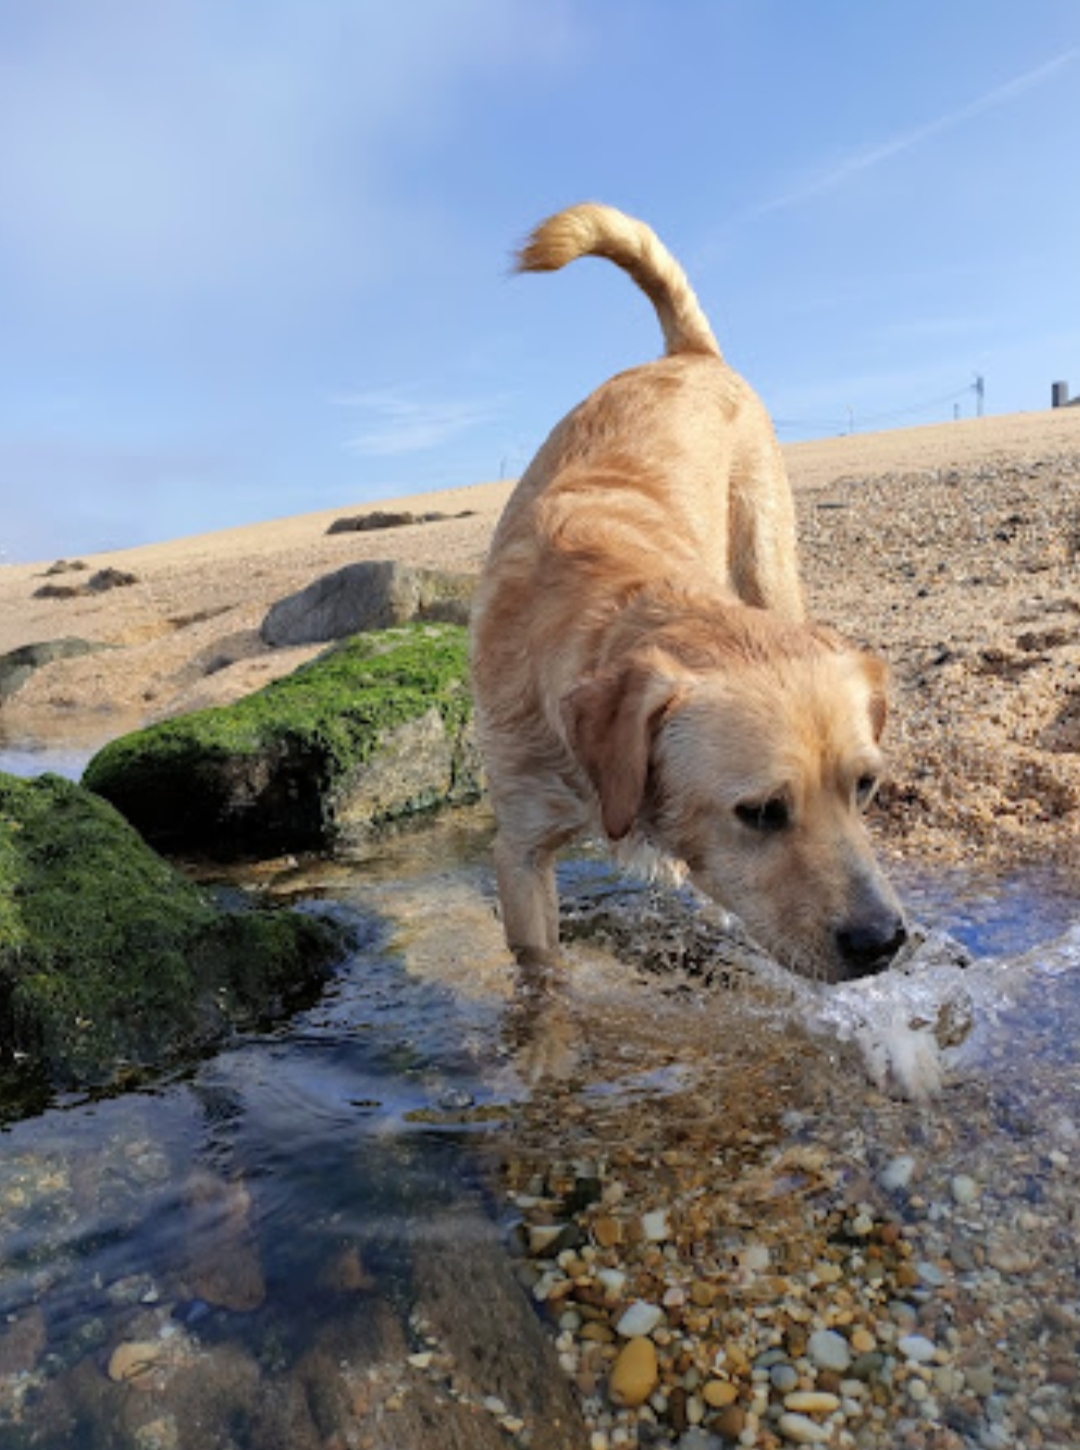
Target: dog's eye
<point x="865" y="788"/>
<point x="770" y="815"/>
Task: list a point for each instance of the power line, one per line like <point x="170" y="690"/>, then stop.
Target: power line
<point x="847" y="424"/>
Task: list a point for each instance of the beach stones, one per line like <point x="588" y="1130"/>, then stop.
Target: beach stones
<point x="133" y="1361"/>
<point x="635" y="1372"/>
<point x="639" y="1319"/>
<point x="829" y="1350"/>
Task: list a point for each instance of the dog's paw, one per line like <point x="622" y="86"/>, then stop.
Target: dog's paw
<point x="549" y="1047"/>
<point x="541" y="1031"/>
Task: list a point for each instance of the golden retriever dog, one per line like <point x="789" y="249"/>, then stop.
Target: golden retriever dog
<point x="642" y="664"/>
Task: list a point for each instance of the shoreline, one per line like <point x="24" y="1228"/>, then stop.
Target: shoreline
<point x="952" y="550"/>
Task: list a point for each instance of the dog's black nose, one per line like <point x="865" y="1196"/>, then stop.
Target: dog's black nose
<point x="866" y="947"/>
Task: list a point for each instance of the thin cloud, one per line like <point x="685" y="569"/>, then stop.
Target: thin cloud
<point x="175" y="151"/>
<point x="865" y="160"/>
<point x="398" y="424"/>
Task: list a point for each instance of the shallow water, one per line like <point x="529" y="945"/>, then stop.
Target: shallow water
<point x="233" y="1217"/>
<point x="28" y="760"/>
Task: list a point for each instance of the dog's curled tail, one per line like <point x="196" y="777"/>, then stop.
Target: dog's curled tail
<point x="593" y="230"/>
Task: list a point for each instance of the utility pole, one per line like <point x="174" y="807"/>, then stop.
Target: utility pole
<point x="980" y="391"/>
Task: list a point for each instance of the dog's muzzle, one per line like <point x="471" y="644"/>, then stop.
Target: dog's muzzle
<point x="868" y="946"/>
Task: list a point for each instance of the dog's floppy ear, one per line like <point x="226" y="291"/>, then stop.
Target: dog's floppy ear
<point x="611" y="720"/>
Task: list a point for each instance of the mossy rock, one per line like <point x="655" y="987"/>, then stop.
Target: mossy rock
<point x="375" y="729"/>
<point x="110" y="959"/>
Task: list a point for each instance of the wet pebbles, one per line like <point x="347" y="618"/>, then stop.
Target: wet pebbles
<point x="769" y="1292"/>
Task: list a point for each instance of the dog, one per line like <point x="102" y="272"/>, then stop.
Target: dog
<point x="642" y="664"/>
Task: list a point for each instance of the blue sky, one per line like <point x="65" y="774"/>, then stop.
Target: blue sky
<point x="254" y="254"/>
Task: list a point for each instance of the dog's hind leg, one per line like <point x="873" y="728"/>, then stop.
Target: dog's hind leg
<point x="762" y="550"/>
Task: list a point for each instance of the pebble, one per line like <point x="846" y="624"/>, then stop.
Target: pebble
<point x="931" y="1275"/>
<point x="784" y="1377"/>
<point x="542" y="1236"/>
<point x="916" y="1347"/>
<point x="1010" y="1259"/>
<point x="964" y="1189"/>
<point x="718" y="1393"/>
<point x="756" y="1258"/>
<point x="729" y="1422"/>
<point x="639" y="1319"/>
<point x="635" y="1372"/>
<point x="802" y="1430"/>
<point x="613" y="1280"/>
<point x="829" y="1350"/>
<point x="897" y="1173"/>
<point x="608" y="1231"/>
<point x="134" y="1359"/>
<point x="812" y="1402"/>
<point x="655" y="1226"/>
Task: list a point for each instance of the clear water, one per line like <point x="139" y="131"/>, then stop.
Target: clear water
<point x="29" y="760"/>
<point x="321" y="1155"/>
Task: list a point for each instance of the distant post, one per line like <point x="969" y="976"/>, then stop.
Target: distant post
<point x="1059" y="395"/>
<point x="980" y="392"/>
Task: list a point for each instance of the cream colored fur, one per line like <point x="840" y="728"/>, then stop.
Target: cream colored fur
<point x="642" y="664"/>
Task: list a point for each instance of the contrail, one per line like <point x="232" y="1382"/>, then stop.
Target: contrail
<point x="862" y="161"/>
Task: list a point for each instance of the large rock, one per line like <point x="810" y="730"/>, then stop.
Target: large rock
<point x="110" y="958"/>
<point x="375" y="729"/>
<point x="376" y="594"/>
<point x="18" y="665"/>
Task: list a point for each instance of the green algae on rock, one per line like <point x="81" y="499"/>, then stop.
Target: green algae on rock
<point x="375" y="729"/>
<point x="111" y="960"/>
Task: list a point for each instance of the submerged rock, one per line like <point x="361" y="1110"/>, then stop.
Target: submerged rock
<point x="376" y="729"/>
<point x="110" y="959"/>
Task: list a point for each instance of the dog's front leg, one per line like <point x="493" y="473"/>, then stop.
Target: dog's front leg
<point x="541" y="1027"/>
<point x="527" y="893"/>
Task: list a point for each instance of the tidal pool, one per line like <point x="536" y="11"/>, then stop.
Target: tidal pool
<point x="318" y="1236"/>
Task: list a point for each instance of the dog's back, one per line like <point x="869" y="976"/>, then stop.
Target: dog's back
<point x="674" y="462"/>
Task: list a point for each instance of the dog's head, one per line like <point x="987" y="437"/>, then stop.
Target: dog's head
<point x="753" y="763"/>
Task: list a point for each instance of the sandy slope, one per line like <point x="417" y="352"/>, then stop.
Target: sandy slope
<point x="953" y="549"/>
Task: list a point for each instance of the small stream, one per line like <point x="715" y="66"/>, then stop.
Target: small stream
<point x="228" y="1229"/>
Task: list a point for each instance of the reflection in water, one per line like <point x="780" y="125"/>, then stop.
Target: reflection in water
<point x="29" y="760"/>
<point x="250" y="1247"/>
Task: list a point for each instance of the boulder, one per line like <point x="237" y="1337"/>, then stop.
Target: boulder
<point x="375" y="594"/>
<point x="97" y="584"/>
<point x="384" y="519"/>
<point x="376" y="519"/>
<point x="375" y="729"/>
<point x="111" y="960"/>
<point x="18" y="665"/>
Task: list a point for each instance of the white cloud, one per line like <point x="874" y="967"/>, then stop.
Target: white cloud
<point x="393" y="423"/>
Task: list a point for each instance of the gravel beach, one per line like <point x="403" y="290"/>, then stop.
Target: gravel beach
<point x="953" y="550"/>
<point x="733" y="1239"/>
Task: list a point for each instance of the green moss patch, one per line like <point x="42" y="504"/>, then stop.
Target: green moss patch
<point x="281" y="769"/>
<point x="109" y="957"/>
